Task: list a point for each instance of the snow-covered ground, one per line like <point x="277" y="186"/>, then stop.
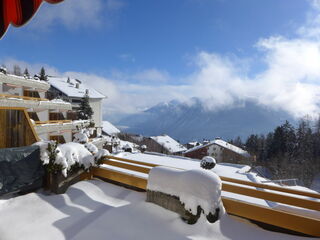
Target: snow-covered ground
<point x="99" y="210"/>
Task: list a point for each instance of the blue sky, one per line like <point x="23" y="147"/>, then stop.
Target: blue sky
<point x="142" y="52"/>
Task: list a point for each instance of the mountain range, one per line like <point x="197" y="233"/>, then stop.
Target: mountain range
<point x="189" y="122"/>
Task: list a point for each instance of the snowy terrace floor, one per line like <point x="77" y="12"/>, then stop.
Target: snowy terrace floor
<point x="98" y="210"/>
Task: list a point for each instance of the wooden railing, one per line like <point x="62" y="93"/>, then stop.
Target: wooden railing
<point x="52" y="122"/>
<point x="279" y="218"/>
<point x="22" y="97"/>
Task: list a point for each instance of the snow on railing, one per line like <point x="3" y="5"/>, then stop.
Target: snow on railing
<point x="20" y="81"/>
<point x="297" y="219"/>
<point x="32" y="102"/>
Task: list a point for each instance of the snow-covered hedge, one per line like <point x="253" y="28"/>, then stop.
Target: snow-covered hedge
<point x="193" y="188"/>
<point x="63" y="157"/>
<point x="82" y="136"/>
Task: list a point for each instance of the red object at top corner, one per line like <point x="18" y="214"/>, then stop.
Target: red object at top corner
<point x="18" y="12"/>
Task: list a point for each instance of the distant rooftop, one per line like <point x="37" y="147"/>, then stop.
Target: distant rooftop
<point x="223" y="144"/>
<point x="109" y="128"/>
<point x="70" y="88"/>
<point x="169" y="143"/>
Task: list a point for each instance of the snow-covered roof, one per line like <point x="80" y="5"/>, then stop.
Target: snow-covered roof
<point x="70" y="89"/>
<point x="231" y="147"/>
<point x="109" y="128"/>
<point x="223" y="144"/>
<point x="169" y="143"/>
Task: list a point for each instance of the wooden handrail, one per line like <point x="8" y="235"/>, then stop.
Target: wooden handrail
<point x="132" y="161"/>
<point x="258" y="185"/>
<point x="275" y="197"/>
<point x="120" y="177"/>
<point x="291" y="221"/>
<point x="270" y="187"/>
<point x="53" y="122"/>
<point x="280" y="218"/>
<point x="23" y="97"/>
<point x="127" y="166"/>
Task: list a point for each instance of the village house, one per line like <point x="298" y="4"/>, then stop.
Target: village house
<point x="160" y="144"/>
<point x="221" y="150"/>
<point x="109" y="129"/>
<point x="164" y="144"/>
<point x="72" y="91"/>
<point x="28" y="116"/>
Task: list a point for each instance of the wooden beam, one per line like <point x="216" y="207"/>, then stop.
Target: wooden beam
<point x="12" y="108"/>
<point x="31" y="125"/>
<point x="275" y="197"/>
<point x="120" y="177"/>
<point x="132" y="161"/>
<point x="127" y="166"/>
<point x="276" y="188"/>
<point x="52" y="122"/>
<point x="306" y="225"/>
<point x="227" y="179"/>
<point x="23" y="97"/>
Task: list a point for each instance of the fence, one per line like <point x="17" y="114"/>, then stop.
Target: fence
<point x="279" y="218"/>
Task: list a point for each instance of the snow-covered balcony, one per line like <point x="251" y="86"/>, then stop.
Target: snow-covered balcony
<point x="7" y="100"/>
<point x="20" y="81"/>
<point x="59" y="125"/>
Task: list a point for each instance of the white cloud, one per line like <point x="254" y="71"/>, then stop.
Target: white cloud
<point x="290" y="81"/>
<point x="32" y="68"/>
<point x="152" y="76"/>
<point x="127" y="57"/>
<point x="76" y="14"/>
<point x="311" y="29"/>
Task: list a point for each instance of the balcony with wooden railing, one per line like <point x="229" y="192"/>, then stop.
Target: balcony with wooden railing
<point x="18" y="81"/>
<point x="52" y="122"/>
<point x="23" y="97"/>
<point x="58" y="125"/>
<point x="294" y="220"/>
<point x="7" y="100"/>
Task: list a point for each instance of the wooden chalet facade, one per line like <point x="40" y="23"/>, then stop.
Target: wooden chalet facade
<point x="221" y="151"/>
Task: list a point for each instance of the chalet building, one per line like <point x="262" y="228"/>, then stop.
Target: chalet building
<point x="221" y="150"/>
<point x="160" y="144"/>
<point x="164" y="144"/>
<point x="27" y="116"/>
<point x="192" y="144"/>
<point x="72" y="91"/>
<point x="109" y="129"/>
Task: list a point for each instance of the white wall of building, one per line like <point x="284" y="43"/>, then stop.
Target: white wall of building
<point x="96" y="105"/>
<point x="67" y="136"/>
<point x="44" y="136"/>
<point x="43" y="115"/>
<point x="12" y="90"/>
<point x="215" y="151"/>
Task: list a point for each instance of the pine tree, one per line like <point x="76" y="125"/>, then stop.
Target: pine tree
<point x="26" y="73"/>
<point x="85" y="111"/>
<point x="16" y="70"/>
<point x="42" y="74"/>
<point x="238" y="142"/>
